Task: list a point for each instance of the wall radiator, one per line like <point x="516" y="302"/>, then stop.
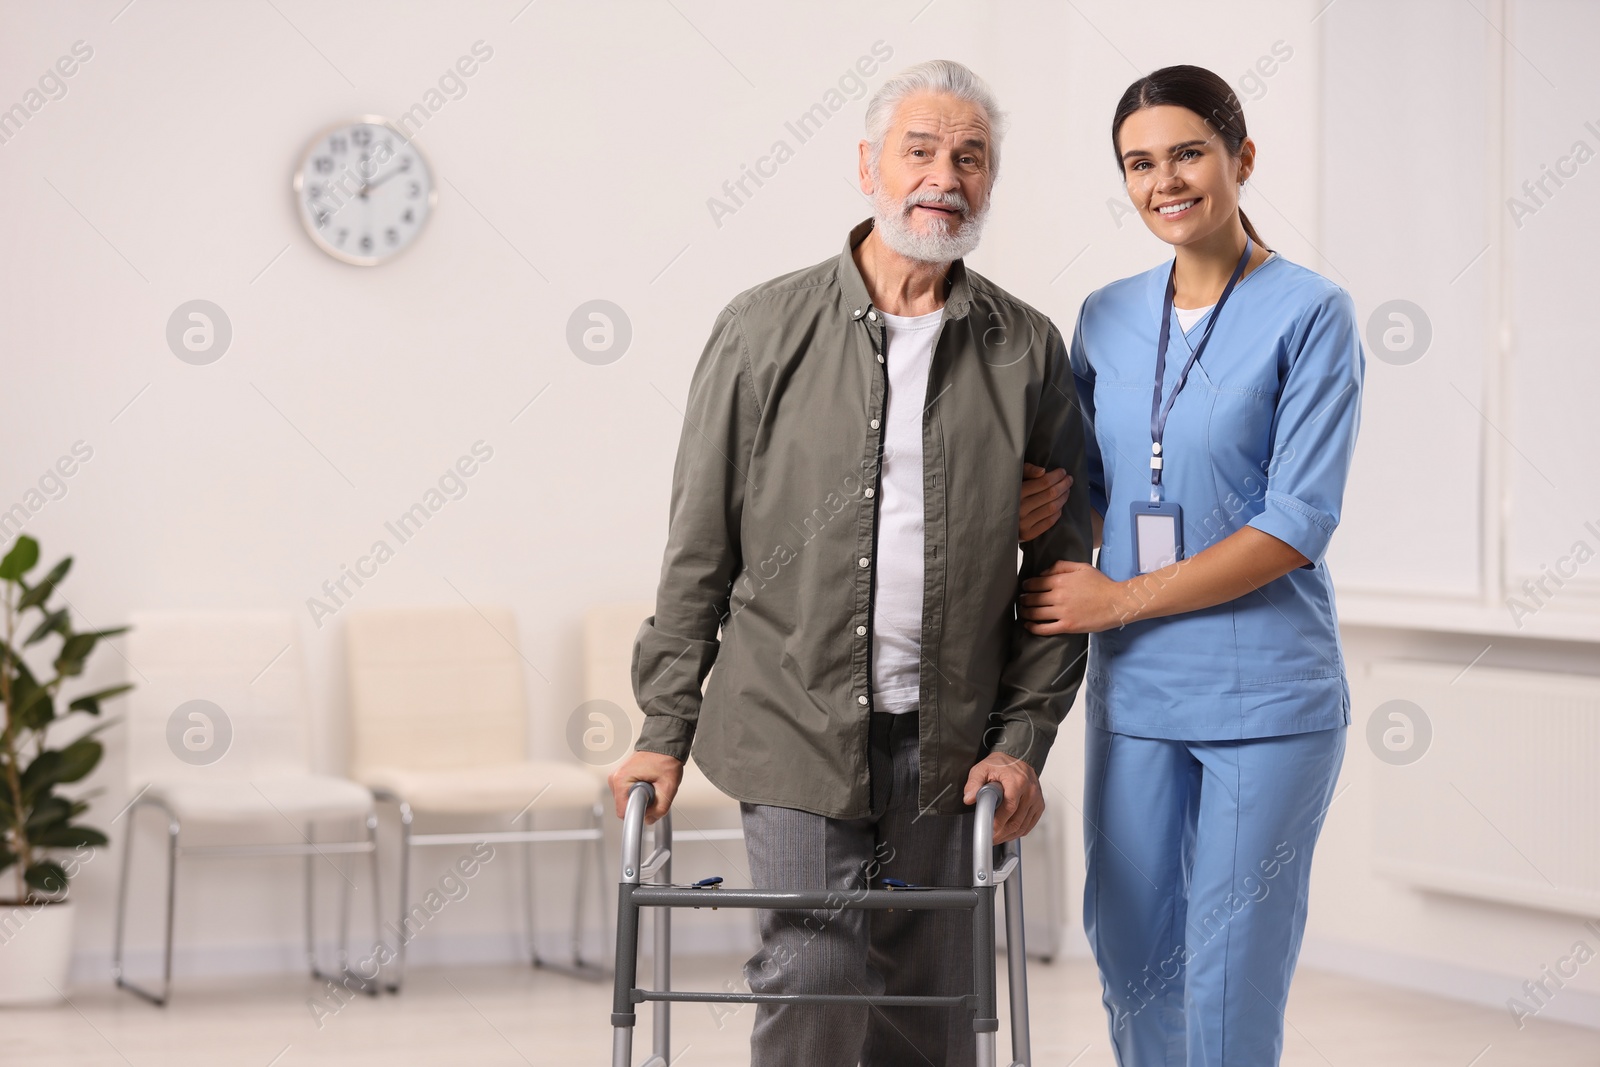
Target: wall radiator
<point x="1504" y="801"/>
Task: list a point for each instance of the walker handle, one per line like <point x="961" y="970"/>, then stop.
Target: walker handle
<point x="640" y="797"/>
<point x="990" y="797"/>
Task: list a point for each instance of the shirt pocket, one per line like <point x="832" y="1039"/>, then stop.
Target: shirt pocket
<point x="1239" y="440"/>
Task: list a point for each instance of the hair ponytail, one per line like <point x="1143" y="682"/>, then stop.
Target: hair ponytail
<point x="1202" y="92"/>
<point x="1250" y="230"/>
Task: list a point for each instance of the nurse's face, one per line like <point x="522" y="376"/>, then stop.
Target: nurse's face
<point x="1180" y="174"/>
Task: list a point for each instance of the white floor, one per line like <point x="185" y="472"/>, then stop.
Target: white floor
<point x="487" y="1016"/>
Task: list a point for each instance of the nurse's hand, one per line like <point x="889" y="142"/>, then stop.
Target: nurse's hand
<point x="1044" y="494"/>
<point x="1072" y="598"/>
<point x="1024" y="802"/>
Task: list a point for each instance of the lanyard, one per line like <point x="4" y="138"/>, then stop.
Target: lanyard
<point x="1158" y="410"/>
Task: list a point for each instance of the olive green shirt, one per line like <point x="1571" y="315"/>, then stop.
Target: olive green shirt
<point x="771" y="541"/>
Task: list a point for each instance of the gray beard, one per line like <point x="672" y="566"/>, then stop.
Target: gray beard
<point x="940" y="246"/>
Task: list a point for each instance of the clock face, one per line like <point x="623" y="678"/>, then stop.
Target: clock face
<point x="364" y="191"/>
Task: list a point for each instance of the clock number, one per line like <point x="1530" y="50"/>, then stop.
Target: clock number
<point x="405" y="164"/>
<point x="416" y="190"/>
<point x="361" y="136"/>
<point x="408" y="216"/>
<point x="322" y="219"/>
<point x="324" y="164"/>
<point x="337" y="143"/>
<point x="366" y="242"/>
<point x="343" y="233"/>
<point x="392" y="235"/>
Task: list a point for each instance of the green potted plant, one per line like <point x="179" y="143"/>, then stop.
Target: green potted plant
<point x="36" y="822"/>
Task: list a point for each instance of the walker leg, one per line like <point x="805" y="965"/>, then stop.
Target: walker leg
<point x="662" y="919"/>
<point x="985" y="1022"/>
<point x="626" y="971"/>
<point x="622" y="1013"/>
<point x="1017" y="964"/>
<point x="985" y="1017"/>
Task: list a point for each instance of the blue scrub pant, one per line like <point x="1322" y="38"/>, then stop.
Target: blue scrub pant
<point x="1198" y="866"/>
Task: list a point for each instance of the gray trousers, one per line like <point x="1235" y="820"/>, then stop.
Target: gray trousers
<point x="833" y="950"/>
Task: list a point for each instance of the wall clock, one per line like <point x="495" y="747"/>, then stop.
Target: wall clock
<point x="364" y="191"/>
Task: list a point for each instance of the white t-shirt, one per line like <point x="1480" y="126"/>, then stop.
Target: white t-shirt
<point x="1187" y="317"/>
<point x="897" y="599"/>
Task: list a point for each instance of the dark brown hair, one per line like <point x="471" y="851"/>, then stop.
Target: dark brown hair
<point x="1202" y="92"/>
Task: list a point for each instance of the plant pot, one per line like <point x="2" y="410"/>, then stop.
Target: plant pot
<point x="35" y="952"/>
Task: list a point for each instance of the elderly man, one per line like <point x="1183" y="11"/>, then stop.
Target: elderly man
<point x="845" y="511"/>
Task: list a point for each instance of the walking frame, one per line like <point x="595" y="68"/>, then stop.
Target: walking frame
<point x="647" y="884"/>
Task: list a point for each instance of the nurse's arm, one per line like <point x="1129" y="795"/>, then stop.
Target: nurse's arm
<point x="1044" y="494"/>
<point x="1077" y="598"/>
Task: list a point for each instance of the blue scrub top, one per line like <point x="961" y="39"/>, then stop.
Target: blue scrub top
<point x="1261" y="435"/>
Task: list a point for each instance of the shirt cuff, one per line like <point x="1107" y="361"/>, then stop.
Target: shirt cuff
<point x="1021" y="739"/>
<point x="1296" y="524"/>
<point x="667" y="735"/>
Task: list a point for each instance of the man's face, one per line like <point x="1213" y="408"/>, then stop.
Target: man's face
<point x="930" y="186"/>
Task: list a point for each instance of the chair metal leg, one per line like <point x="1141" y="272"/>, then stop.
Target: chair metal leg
<point x="122" y="901"/>
<point x="311" y="904"/>
<point x="377" y="899"/>
<point x="579" y="967"/>
<point x="581" y="895"/>
<point x="529" y="894"/>
<point x="158" y="999"/>
<point x="578" y="895"/>
<point x="400" y="933"/>
<point x="344" y="913"/>
<point x="344" y="975"/>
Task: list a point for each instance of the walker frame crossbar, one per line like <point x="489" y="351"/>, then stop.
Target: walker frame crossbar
<point x="635" y="892"/>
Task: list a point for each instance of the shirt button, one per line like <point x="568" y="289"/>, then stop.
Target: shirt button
<point x="861" y="631"/>
<point x="871" y="492"/>
<point x="873" y="424"/>
<point x="880" y="358"/>
<point x="872" y="316"/>
<point x="863" y="561"/>
<point x="861" y="700"/>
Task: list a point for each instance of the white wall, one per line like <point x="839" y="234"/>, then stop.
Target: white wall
<point x="578" y="165"/>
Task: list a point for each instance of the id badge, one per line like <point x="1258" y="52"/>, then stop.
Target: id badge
<point x="1157" y="534"/>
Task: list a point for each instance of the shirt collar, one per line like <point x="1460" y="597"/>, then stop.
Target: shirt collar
<point x="956" y="304"/>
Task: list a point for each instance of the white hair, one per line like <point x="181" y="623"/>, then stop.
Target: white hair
<point x="944" y="76"/>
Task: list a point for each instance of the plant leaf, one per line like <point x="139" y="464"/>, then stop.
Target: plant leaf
<point x="38" y="594"/>
<point x="53" y="766"/>
<point x="47" y="812"/>
<point x="74" y="650"/>
<point x="68" y="837"/>
<point x="20" y="560"/>
<point x="46" y="875"/>
<point x="38" y="711"/>
<point x="90" y="702"/>
<point x="57" y="621"/>
<point x="9" y="658"/>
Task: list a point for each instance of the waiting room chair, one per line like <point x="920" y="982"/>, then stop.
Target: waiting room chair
<point x="218" y="738"/>
<point x="439" y="724"/>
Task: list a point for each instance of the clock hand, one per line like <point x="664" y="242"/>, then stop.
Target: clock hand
<point x="373" y="185"/>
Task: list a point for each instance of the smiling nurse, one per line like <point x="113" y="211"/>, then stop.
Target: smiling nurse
<point x="1222" y="393"/>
